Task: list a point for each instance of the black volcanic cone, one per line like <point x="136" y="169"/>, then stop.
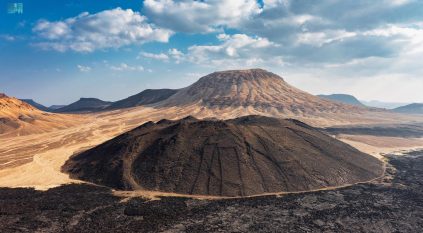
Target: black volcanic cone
<point x="239" y="157"/>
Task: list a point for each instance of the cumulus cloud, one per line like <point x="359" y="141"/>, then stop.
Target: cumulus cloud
<point x="175" y="53"/>
<point x="230" y="51"/>
<point x="160" y="56"/>
<point x="232" y="46"/>
<point x="200" y="16"/>
<point x="358" y="40"/>
<point x="83" y="68"/>
<point x="126" y="67"/>
<point x="235" y="50"/>
<point x="107" y="29"/>
<point x="172" y="54"/>
<point x="306" y="32"/>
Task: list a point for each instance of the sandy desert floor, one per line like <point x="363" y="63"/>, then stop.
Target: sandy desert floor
<point x="35" y="160"/>
<point x="379" y="145"/>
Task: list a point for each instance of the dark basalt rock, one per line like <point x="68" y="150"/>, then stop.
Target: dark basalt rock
<point x="239" y="157"/>
<point x="392" y="204"/>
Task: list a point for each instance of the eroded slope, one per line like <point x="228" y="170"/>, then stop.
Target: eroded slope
<point x="244" y="156"/>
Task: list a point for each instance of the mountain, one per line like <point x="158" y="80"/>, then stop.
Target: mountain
<point x="14" y="108"/>
<point x="381" y="104"/>
<point x="238" y="157"/>
<point x="84" y="105"/>
<point x="416" y="108"/>
<point x="14" y="112"/>
<point x="255" y="89"/>
<point x="343" y="98"/>
<point x="146" y="97"/>
<point x="54" y="107"/>
<point x="19" y="118"/>
<point x="35" y="104"/>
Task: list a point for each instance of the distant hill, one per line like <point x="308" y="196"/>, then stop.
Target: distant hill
<point x="54" y="107"/>
<point x="85" y="105"/>
<point x="35" y="104"/>
<point x="382" y="104"/>
<point x="416" y="108"/>
<point x="149" y="96"/>
<point x="15" y="113"/>
<point x="20" y="118"/>
<point x="343" y="98"/>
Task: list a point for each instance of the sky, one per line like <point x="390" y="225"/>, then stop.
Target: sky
<point x="56" y="51"/>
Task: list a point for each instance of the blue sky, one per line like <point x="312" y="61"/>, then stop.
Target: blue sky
<point x="58" y="51"/>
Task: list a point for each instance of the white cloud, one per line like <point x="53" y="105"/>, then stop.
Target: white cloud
<point x="7" y="37"/>
<point x="406" y="39"/>
<point x="107" y="29"/>
<point x="232" y="46"/>
<point x="126" y="67"/>
<point x="398" y="2"/>
<point x="321" y="38"/>
<point x="274" y="3"/>
<point x="332" y="45"/>
<point x="83" y="68"/>
<point x="160" y="56"/>
<point x="176" y="55"/>
<point x="410" y="36"/>
<point x="231" y="51"/>
<point x="199" y="16"/>
<point x="395" y="78"/>
<point x="238" y="50"/>
<point x="173" y="53"/>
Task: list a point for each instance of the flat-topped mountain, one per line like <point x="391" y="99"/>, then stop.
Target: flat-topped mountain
<point x="343" y="98"/>
<point x="416" y="108"/>
<point x="146" y="97"/>
<point x="84" y="105"/>
<point x="238" y="157"/>
<point x="254" y="88"/>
